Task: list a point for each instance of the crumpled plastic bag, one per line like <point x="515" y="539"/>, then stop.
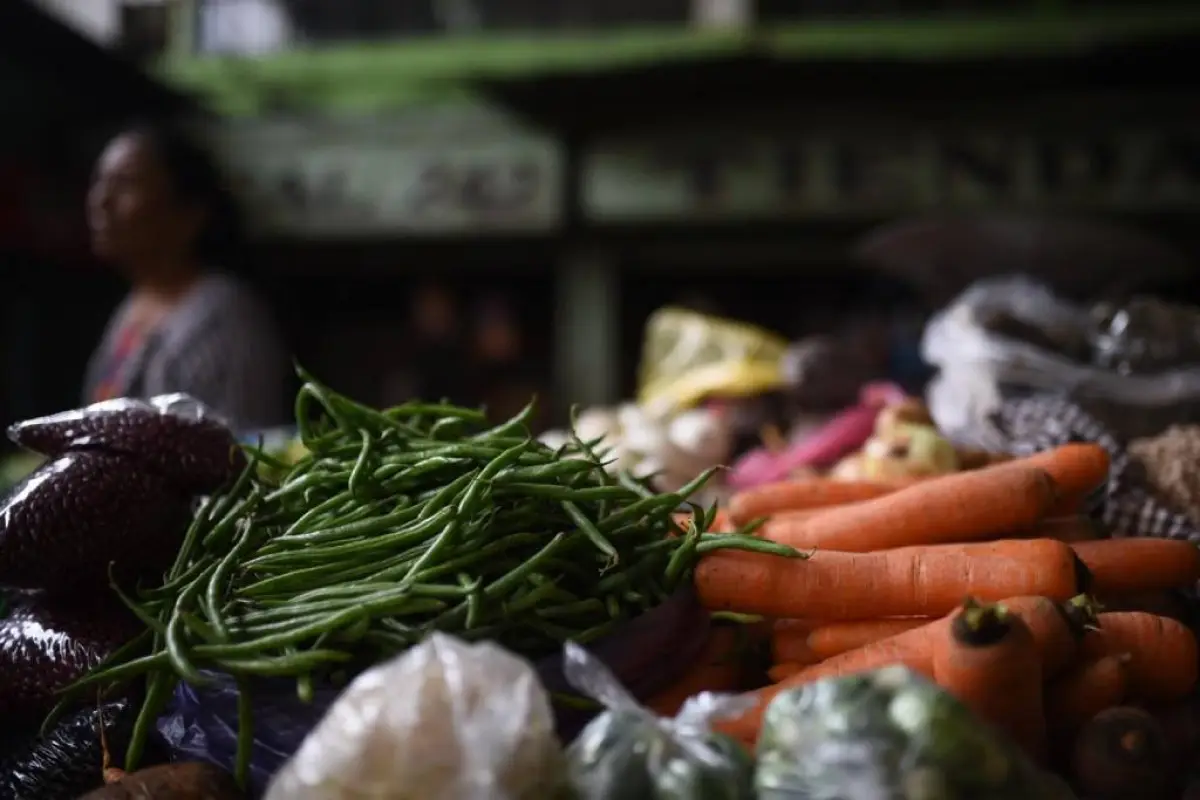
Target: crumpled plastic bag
<point x="888" y="735"/>
<point x="45" y="647"/>
<point x="447" y="720"/>
<point x="174" y="435"/>
<point x="627" y="753"/>
<point x="1008" y="336"/>
<point x="68" y="760"/>
<point x="688" y="356"/>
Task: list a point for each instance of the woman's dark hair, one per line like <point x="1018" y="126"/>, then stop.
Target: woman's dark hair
<point x="196" y="178"/>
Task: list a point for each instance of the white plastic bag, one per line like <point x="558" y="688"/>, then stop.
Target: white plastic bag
<point x="978" y="367"/>
<point x="627" y="753"/>
<point x="447" y="720"/>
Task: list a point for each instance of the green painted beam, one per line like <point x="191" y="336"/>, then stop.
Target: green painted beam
<point x="378" y="77"/>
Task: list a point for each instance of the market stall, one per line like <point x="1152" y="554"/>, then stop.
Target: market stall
<point x="607" y="610"/>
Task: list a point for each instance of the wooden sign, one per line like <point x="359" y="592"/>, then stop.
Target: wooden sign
<point x="825" y="174"/>
<point x="384" y="177"/>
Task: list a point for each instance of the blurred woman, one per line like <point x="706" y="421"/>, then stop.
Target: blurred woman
<point x="159" y="213"/>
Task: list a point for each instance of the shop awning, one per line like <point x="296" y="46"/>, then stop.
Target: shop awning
<point x="540" y="72"/>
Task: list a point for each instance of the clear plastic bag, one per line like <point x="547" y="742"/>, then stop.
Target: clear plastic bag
<point x="63" y="525"/>
<point x="1008" y="336"/>
<point x="447" y="720"/>
<point x="627" y="753"/>
<point x="68" y="760"/>
<point x="888" y="735"/>
<point x="45" y="647"/>
<point x="175" y="435"/>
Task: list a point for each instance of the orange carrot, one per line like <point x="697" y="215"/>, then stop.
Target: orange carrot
<point x="1164" y="603"/>
<point x="908" y="582"/>
<point x="1134" y="565"/>
<point x="835" y="638"/>
<point x="965" y="506"/>
<point x="1057" y="628"/>
<point x="784" y="670"/>
<point x="987" y="658"/>
<point x="1163" y="655"/>
<point x="800" y="495"/>
<point x="1067" y="528"/>
<point x="718" y="668"/>
<point x="793" y="648"/>
<point x="911" y="648"/>
<point x="1078" y="468"/>
<point x="1084" y="691"/>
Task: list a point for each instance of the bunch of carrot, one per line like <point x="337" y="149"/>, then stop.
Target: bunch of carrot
<point x="988" y="582"/>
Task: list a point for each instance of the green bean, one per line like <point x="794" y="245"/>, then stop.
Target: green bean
<point x="358" y="473"/>
<point x="144" y="616"/>
<point x="407" y="536"/>
<point x="439" y="410"/>
<point x="736" y="541"/>
<point x="588" y="529"/>
<point x="216" y="583"/>
<point x="187" y="576"/>
<point x="577" y="608"/>
<point x="176" y="650"/>
<point x="283" y="666"/>
<point x="120" y="671"/>
<point x="555" y="492"/>
<point x="245" y="734"/>
<point x="633" y="484"/>
<point x="158" y="691"/>
<point x="357" y="528"/>
<point x="516" y="424"/>
<point x="216" y="536"/>
<point x="680" y="558"/>
<point x="447" y="495"/>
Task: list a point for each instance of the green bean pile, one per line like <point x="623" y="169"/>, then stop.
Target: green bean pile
<point x="395" y="524"/>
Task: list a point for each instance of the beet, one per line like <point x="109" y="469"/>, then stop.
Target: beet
<point x="1122" y="753"/>
<point x="46" y="646"/>
<point x="172" y="435"/>
<point x="187" y="781"/>
<point x="61" y="526"/>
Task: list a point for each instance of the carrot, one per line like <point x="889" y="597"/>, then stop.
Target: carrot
<point x="717" y="669"/>
<point x="908" y="582"/>
<point x="835" y="638"/>
<point x="784" y="670"/>
<point x="1135" y="565"/>
<point x="1163" y="602"/>
<point x="800" y="495"/>
<point x="987" y="658"/>
<point x="1162" y="653"/>
<point x="1077" y="468"/>
<point x="1057" y="628"/>
<point x="911" y="648"/>
<point x="1084" y="691"/>
<point x="1122" y="753"/>
<point x="787" y="647"/>
<point x="965" y="506"/>
<point x="1068" y="528"/>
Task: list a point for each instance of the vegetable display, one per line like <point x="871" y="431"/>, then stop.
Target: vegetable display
<point x="997" y="608"/>
<point x="396" y="524"/>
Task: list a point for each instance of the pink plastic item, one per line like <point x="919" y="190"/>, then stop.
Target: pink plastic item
<point x="839" y="437"/>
